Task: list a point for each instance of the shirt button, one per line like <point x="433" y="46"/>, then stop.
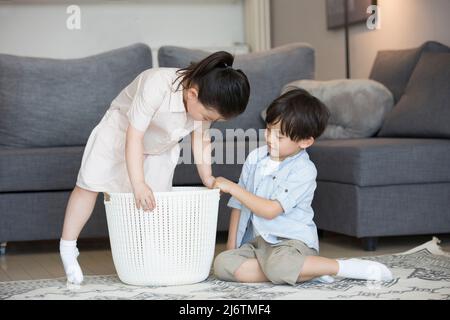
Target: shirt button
<point x="273" y="178"/>
<point x="285" y="190"/>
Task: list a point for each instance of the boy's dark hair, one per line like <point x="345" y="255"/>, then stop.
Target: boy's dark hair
<point x="301" y="114"/>
<point x="220" y="87"/>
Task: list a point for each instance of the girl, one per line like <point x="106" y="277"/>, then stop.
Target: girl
<point x="135" y="147"/>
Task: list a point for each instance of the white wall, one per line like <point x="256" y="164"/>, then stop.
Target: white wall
<point x="38" y="28"/>
<point x="404" y="24"/>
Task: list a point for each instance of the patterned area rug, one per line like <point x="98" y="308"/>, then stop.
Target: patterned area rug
<point x="421" y="273"/>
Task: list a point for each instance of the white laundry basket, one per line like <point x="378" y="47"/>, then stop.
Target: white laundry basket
<point x="172" y="245"/>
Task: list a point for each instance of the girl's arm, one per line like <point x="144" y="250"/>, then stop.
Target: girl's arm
<point x="232" y="230"/>
<point x="265" y="208"/>
<point x="201" y="148"/>
<point x="134" y="150"/>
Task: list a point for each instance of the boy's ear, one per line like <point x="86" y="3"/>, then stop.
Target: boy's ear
<point x="306" y="143"/>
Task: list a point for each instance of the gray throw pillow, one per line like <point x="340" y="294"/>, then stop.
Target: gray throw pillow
<point x="357" y="106"/>
<point x="267" y="72"/>
<point x="57" y="102"/>
<point x="393" y="68"/>
<point x="424" y="109"/>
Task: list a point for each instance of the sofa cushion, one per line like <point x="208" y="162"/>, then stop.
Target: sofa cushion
<point x="357" y="106"/>
<point x="393" y="68"/>
<point x="382" y="161"/>
<point x="57" y="102"/>
<point x="424" y="109"/>
<point x="39" y="169"/>
<point x="267" y="72"/>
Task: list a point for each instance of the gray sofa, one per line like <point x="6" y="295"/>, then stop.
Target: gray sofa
<point x="398" y="181"/>
<point x="367" y="188"/>
<point x="49" y="107"/>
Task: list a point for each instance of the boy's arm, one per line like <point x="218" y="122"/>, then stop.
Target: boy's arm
<point x="201" y="148"/>
<point x="265" y="208"/>
<point x="232" y="230"/>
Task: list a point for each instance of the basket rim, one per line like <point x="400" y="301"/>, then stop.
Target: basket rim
<point x="178" y="189"/>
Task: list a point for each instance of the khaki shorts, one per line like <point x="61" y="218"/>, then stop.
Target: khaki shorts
<point x="281" y="262"/>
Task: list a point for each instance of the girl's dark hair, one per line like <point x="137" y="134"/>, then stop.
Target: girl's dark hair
<point x="220" y="87"/>
<point x="301" y="114"/>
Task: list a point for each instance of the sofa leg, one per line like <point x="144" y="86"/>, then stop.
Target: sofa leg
<point x="370" y="243"/>
<point x="3" y="248"/>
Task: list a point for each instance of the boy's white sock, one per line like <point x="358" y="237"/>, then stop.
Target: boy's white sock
<point x="69" y="253"/>
<point x="364" y="270"/>
<point x="325" y="279"/>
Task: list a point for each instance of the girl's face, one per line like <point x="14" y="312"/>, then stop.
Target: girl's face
<point x="196" y="109"/>
<point x="280" y="146"/>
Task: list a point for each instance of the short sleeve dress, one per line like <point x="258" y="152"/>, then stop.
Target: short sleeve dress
<point x="152" y="104"/>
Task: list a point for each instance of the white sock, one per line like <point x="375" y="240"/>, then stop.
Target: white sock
<point x="69" y="253"/>
<point x="364" y="270"/>
<point x="325" y="279"/>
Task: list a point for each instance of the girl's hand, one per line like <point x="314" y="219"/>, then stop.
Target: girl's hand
<point x="144" y="197"/>
<point x="223" y="184"/>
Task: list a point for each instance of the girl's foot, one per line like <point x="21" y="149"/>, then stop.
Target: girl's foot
<point x="69" y="253"/>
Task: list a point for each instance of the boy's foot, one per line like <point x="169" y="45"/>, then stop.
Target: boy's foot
<point x="364" y="270"/>
<point x="69" y="253"/>
<point x="325" y="279"/>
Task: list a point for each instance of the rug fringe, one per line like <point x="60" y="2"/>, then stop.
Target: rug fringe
<point x="432" y="246"/>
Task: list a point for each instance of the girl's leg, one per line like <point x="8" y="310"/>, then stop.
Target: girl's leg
<point x="79" y="208"/>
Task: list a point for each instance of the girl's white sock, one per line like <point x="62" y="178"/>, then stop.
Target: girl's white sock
<point x="69" y="253"/>
<point x="364" y="270"/>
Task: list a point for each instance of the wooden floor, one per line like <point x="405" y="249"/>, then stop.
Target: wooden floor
<point x="40" y="260"/>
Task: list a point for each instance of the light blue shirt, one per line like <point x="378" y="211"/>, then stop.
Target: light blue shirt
<point x="293" y="185"/>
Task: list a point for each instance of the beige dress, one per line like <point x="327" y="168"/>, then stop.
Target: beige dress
<point x="152" y="105"/>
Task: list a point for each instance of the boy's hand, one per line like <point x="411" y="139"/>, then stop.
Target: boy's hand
<point x="144" y="197"/>
<point x="209" y="182"/>
<point x="223" y="184"/>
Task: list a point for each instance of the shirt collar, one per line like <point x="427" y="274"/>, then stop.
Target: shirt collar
<point x="285" y="161"/>
<point x="282" y="170"/>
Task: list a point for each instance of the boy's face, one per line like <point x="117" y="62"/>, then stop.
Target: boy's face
<point x="281" y="146"/>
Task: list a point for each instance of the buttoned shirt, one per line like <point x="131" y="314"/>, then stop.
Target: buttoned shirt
<point x="292" y="185"/>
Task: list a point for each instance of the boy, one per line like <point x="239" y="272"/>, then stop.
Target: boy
<point x="272" y="236"/>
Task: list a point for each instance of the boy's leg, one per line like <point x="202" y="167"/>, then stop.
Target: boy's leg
<point x="292" y="261"/>
<point x="353" y="268"/>
<point x="227" y="264"/>
<point x="79" y="209"/>
<point x="283" y="262"/>
<point x="250" y="271"/>
<point x="315" y="266"/>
